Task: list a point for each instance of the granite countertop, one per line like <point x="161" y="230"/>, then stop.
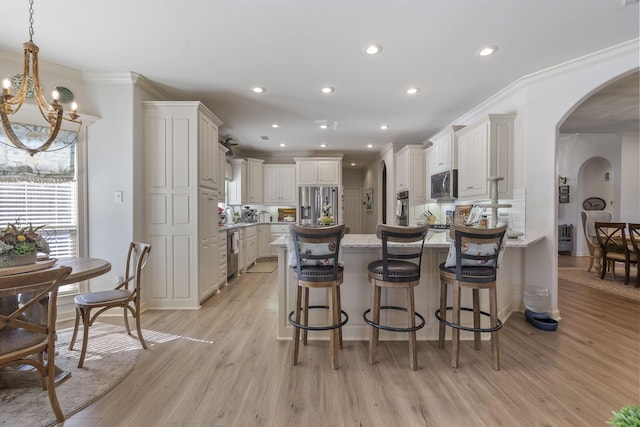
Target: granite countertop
<point x="435" y="239"/>
<point x="248" y="224"/>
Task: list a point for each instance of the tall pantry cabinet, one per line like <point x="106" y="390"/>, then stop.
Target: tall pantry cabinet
<point x="181" y="201"/>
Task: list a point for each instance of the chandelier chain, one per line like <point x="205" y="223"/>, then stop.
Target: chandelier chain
<point x="31" y="20"/>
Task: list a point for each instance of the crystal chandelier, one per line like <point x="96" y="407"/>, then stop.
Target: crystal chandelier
<point x="51" y="112"/>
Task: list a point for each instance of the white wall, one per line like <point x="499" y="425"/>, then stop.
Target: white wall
<point x="629" y="203"/>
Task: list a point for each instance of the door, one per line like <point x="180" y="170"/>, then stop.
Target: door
<point x="353" y="209"/>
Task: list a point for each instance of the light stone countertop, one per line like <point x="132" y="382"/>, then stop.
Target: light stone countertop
<point x="435" y="239"/>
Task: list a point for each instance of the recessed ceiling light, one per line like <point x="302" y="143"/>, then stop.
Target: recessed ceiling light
<point x="488" y="50"/>
<point x="324" y="126"/>
<point x="323" y="145"/>
<point x="282" y="144"/>
<point x="373" y="49"/>
<point x="328" y="89"/>
<point x="258" y="89"/>
<point x="275" y="125"/>
<point x="353" y="164"/>
<point x="384" y="127"/>
<point x="370" y="145"/>
<point x="413" y="90"/>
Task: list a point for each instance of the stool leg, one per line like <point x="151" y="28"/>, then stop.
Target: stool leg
<point x="339" y="315"/>
<point x="455" y="332"/>
<point x="305" y="314"/>
<point x="413" y="356"/>
<point x="335" y="316"/>
<point x="495" y="345"/>
<point x="296" y="331"/>
<point x="476" y="318"/>
<point x="443" y="312"/>
<point x="375" y="317"/>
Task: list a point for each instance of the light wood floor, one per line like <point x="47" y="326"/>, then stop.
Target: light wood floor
<point x="222" y="366"/>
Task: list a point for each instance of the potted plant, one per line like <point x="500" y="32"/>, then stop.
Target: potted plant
<point x="20" y="245"/>
<point x="628" y="416"/>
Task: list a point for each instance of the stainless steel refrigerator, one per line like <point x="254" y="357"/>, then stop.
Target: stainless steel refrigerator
<point x="318" y="206"/>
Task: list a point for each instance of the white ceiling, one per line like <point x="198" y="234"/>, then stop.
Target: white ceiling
<point x="214" y="51"/>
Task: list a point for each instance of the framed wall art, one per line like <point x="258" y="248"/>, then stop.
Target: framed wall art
<point x="563" y="198"/>
<point x="368" y="201"/>
<point x="563" y="189"/>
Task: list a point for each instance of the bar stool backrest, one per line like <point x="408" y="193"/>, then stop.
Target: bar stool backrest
<point x="317" y="248"/>
<point x="477" y="248"/>
<point x="388" y="233"/>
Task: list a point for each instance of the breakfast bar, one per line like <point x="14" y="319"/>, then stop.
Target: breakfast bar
<point x="357" y="250"/>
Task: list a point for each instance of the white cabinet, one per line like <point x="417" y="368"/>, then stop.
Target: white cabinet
<point x="264" y="236"/>
<point x="207" y="131"/>
<point x="444" y="153"/>
<point x="222" y="166"/>
<point x="319" y="171"/>
<point x="180" y="215"/>
<point x="277" y="231"/>
<point x="279" y="184"/>
<point x="242" y="250"/>
<point x="254" y="180"/>
<point x="486" y="149"/>
<point x="410" y="173"/>
<point x="251" y="235"/>
<point x="238" y="185"/>
<point x="222" y="266"/>
<point x="429" y="168"/>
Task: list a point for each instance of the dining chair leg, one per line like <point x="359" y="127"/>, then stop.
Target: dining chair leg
<point x="375" y="318"/>
<point x="413" y="353"/>
<point x="86" y="313"/>
<point x="75" y="329"/>
<point x="139" y="328"/>
<point x="126" y="320"/>
<point x="51" y="388"/>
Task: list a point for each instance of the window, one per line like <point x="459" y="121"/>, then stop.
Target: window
<point x="42" y="190"/>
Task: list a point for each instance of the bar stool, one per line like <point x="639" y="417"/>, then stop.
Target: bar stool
<point x="473" y="261"/>
<point x="317" y="266"/>
<point x="394" y="271"/>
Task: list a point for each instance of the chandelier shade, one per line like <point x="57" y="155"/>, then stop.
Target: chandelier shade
<point x="52" y="112"/>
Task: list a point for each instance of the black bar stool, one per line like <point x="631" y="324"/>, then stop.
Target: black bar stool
<point x="317" y="266"/>
<point x="472" y="263"/>
<point x="395" y="271"/>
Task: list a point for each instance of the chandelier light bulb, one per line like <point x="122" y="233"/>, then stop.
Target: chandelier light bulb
<point x="74" y="106"/>
<point x="55" y="95"/>
<point x="6" y="84"/>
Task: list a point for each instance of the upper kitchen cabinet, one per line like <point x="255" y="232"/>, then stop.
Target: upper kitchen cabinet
<point x="410" y="172"/>
<point x="222" y="172"/>
<point x="255" y="190"/>
<point x="444" y="155"/>
<point x="279" y="184"/>
<point x="486" y="149"/>
<point x="319" y="171"/>
<point x="180" y="213"/>
<point x="208" y="155"/>
<point x="238" y="183"/>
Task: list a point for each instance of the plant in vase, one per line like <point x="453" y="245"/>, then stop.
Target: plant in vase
<point x="20" y="245"/>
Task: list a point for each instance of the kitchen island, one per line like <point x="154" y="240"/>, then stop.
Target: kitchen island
<point x="358" y="250"/>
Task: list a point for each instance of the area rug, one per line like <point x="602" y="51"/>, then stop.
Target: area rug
<point x="263" y="267"/>
<point x="608" y="284"/>
<point x="110" y="357"/>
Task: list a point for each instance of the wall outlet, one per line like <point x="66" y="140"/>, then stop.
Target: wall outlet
<point x="118" y="197"/>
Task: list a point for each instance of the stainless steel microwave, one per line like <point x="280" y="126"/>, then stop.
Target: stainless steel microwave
<point x="444" y="185"/>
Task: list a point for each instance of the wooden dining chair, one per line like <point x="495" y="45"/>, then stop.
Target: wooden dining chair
<point x="588" y="219"/>
<point x="614" y="247"/>
<point x="29" y="328"/>
<point x="126" y="295"/>
<point x="634" y="236"/>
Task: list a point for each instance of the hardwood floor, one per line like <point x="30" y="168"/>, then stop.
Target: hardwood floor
<point x="222" y="366"/>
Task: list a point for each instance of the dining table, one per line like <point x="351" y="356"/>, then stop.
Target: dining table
<point x="82" y="269"/>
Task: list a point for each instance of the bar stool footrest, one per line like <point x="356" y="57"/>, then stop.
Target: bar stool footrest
<point x="345" y="316"/>
<point x="467" y="328"/>
<point x="391" y="328"/>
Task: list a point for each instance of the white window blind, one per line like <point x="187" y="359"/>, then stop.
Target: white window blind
<point x="50" y="204"/>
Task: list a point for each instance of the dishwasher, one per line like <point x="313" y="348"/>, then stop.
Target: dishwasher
<point x="233" y="248"/>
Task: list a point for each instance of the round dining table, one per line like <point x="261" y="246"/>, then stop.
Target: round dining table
<point x="81" y="269"/>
